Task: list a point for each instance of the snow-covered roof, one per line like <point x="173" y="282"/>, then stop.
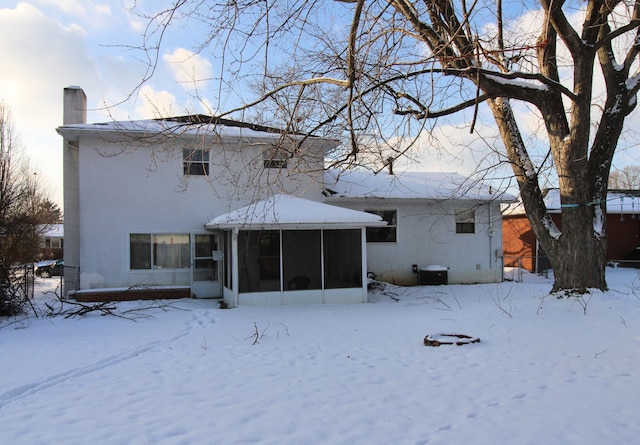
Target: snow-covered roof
<point x="187" y="125"/>
<point x="284" y="210"/>
<point x="53" y="231"/>
<point x="409" y="185"/>
<point x="626" y="202"/>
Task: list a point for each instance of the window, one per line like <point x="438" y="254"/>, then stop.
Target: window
<point x="275" y="158"/>
<point x="465" y="220"/>
<point x="149" y="251"/>
<point x="53" y="243"/>
<point x="195" y="162"/>
<point x="386" y="234"/>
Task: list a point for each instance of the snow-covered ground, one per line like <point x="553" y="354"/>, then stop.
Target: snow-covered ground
<point x="544" y="372"/>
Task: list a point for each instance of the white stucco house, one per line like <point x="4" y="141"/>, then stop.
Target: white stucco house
<point x="197" y="206"/>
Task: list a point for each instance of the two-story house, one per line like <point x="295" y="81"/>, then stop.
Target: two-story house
<point x="207" y="207"/>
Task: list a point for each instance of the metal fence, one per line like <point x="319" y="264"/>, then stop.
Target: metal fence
<point x="516" y="267"/>
<point x="19" y="281"/>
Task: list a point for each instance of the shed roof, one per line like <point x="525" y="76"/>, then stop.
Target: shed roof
<point x="626" y="202"/>
<point x="280" y="211"/>
<point x="53" y="231"/>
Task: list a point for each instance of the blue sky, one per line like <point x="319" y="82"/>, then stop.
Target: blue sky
<point x="50" y="44"/>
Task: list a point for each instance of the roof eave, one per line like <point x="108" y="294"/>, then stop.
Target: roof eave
<point x="294" y="226"/>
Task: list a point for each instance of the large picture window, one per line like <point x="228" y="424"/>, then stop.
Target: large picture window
<point x="385" y="234"/>
<point x="195" y="162"/>
<point x="155" y="251"/>
<point x="465" y="220"/>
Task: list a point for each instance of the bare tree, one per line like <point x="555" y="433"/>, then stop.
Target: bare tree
<point x="390" y="68"/>
<point x="21" y="200"/>
<point x="627" y="178"/>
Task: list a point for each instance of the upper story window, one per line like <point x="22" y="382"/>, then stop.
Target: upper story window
<point x="195" y="162"/>
<point x="385" y="234"/>
<point x="465" y="220"/>
<point x="275" y="158"/>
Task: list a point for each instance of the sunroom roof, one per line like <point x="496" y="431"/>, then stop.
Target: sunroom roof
<point x="287" y="211"/>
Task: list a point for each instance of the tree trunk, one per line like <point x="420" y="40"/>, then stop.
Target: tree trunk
<point x="576" y="250"/>
<point x="578" y="258"/>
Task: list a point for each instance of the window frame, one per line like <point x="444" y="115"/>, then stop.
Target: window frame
<point x="465" y="220"/>
<point x="150" y="260"/>
<point x="391" y="229"/>
<point x="195" y="162"/>
<point x="275" y="157"/>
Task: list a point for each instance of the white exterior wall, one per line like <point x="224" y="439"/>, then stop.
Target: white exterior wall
<point x="135" y="192"/>
<point x="426" y="235"/>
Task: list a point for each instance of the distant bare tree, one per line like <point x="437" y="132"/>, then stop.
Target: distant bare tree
<point x="386" y="68"/>
<point x="21" y="198"/>
<point x="626" y="178"/>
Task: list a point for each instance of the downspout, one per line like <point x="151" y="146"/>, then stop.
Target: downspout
<point x="490" y="238"/>
<point x="235" y="270"/>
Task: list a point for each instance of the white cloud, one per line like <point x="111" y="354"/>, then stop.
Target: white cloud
<point x="88" y="11"/>
<point x="190" y="70"/>
<point x="154" y="104"/>
<point x="43" y="57"/>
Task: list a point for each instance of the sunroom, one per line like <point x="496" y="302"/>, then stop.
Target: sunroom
<point x="292" y="251"/>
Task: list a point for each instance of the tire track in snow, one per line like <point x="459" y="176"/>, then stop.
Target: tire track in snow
<point x="29" y="389"/>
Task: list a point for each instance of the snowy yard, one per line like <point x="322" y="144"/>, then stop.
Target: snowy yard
<point x="544" y="372"/>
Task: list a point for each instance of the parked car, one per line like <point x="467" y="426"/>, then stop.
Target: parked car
<point x="49" y="268"/>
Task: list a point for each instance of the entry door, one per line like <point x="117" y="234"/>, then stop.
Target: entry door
<point x="206" y="270"/>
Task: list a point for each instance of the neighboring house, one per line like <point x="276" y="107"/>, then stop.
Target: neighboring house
<point x="52" y="242"/>
<point x="521" y="248"/>
<point x="137" y="196"/>
<point x="435" y="221"/>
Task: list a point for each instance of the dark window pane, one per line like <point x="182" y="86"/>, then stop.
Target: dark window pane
<point x="259" y="260"/>
<point x="465" y="220"/>
<point x="301" y="260"/>
<point x="275" y="158"/>
<point x="204" y="245"/>
<point x="342" y="259"/>
<point x="386" y="234"/>
<point x="140" y="251"/>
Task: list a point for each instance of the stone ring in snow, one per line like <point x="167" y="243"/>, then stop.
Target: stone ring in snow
<point x="449" y="339"/>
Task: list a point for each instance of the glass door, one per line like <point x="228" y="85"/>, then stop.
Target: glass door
<point x="207" y="266"/>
